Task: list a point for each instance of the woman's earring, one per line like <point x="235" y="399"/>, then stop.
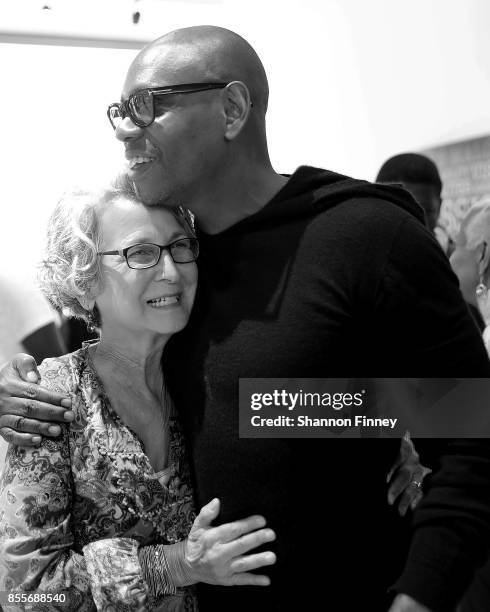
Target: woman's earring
<point x="91" y="326"/>
<point x="481" y="290"/>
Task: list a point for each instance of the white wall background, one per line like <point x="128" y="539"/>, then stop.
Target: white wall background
<point x="352" y="83"/>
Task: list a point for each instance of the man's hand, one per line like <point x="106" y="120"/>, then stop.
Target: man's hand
<point x="404" y="603"/>
<point x="26" y="409"/>
<point x="216" y="555"/>
<point x="405" y="477"/>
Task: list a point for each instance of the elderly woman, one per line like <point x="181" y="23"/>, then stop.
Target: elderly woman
<point x="97" y="518"/>
<point x="471" y="262"/>
<point x="471" y="258"/>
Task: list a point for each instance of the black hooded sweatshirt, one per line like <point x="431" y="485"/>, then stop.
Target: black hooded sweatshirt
<point x="334" y="277"/>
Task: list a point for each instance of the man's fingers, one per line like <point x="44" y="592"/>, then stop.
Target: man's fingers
<point x="253" y="579"/>
<point x="394" y="467"/>
<point x="415" y="501"/>
<point x="409" y="499"/>
<point x="23" y="424"/>
<point x="247" y="542"/>
<point x="404" y="503"/>
<point x="399" y="484"/>
<point x="19" y="439"/>
<point x="413" y="492"/>
<point x="251" y="562"/>
<point x="33" y="409"/>
<point x="41" y="401"/>
<point x="407" y="451"/>
<point x="26" y="367"/>
<point x="232" y="531"/>
<point x="41" y="394"/>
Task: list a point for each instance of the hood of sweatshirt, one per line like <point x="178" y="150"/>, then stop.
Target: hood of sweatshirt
<point x="310" y="190"/>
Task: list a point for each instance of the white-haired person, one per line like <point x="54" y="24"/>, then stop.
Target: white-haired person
<point x="471" y="258"/>
<point x="102" y="515"/>
<point x="471" y="262"/>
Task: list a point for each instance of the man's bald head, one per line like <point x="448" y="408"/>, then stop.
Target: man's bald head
<point x="204" y="53"/>
<point x="200" y="145"/>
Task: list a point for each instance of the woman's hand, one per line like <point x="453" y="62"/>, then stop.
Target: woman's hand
<point x="405" y="477"/>
<point x="216" y="555"/>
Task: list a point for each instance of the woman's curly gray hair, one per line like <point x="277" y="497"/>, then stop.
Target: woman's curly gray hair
<point x="70" y="269"/>
<point x="475" y="226"/>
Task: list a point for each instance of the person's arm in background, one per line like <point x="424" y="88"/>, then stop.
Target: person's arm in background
<point x="44" y="342"/>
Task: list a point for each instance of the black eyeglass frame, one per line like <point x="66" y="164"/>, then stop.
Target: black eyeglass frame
<point x="124" y="107"/>
<point x="166" y="247"/>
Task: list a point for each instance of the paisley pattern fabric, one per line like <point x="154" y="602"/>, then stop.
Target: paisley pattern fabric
<point x="66" y="505"/>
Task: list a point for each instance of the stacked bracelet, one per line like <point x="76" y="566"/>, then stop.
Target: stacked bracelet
<point x="178" y="569"/>
<point x="164" y="569"/>
<point x="155" y="571"/>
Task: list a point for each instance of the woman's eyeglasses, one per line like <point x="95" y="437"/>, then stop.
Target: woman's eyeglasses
<point x="147" y="255"/>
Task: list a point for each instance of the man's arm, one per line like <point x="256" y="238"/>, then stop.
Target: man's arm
<point x="27" y="411"/>
<point x="451" y="527"/>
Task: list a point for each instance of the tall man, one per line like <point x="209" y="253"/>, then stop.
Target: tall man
<point x="313" y="275"/>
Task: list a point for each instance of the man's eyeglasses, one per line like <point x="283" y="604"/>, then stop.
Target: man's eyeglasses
<point x="140" y="106"/>
<point x="147" y="255"/>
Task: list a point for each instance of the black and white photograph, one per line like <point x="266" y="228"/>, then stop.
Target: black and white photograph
<point x="244" y="306"/>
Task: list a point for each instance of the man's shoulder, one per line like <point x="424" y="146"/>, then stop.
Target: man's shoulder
<point x="363" y="215"/>
<point x="330" y="191"/>
<point x="365" y="233"/>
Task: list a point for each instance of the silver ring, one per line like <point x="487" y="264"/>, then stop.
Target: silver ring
<point x="416" y="483"/>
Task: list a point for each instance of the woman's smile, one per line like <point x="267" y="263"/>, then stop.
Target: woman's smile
<point x="165" y="301"/>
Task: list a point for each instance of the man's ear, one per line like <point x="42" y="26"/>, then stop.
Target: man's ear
<point x="237" y="106"/>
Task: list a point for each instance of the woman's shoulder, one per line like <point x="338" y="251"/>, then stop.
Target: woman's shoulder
<point x="72" y="375"/>
<point x="62" y="373"/>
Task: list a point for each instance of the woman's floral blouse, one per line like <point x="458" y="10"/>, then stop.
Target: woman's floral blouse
<point x="65" y="505"/>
